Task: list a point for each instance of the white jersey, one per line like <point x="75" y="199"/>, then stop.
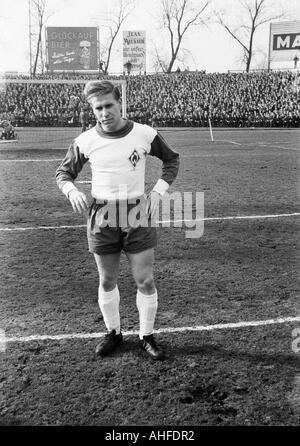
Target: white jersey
<point x="117" y="161"/>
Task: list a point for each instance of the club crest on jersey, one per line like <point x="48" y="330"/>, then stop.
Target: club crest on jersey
<point x="134" y="158"/>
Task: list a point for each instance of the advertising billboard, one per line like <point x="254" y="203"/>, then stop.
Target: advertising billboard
<point x="72" y="48"/>
<point x="285" y="42"/>
<point x="134" y="51"/>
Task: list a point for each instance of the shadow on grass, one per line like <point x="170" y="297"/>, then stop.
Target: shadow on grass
<point x="255" y="357"/>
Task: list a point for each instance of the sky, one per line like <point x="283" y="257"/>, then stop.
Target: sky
<point x="210" y="46"/>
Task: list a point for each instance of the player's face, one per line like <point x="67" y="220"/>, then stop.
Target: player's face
<point x="107" y="111"/>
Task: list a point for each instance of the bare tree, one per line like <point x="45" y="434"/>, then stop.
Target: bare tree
<point x="177" y="17"/>
<point x="159" y="60"/>
<point x="39" y="16"/>
<point x="113" y="20"/>
<point x="254" y="14"/>
<point x="38" y="11"/>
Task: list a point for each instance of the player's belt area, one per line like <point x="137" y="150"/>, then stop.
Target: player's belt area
<point x="129" y="202"/>
<point x="117" y="213"/>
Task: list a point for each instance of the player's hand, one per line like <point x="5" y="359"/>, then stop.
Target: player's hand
<point x="153" y="204"/>
<point x="78" y="201"/>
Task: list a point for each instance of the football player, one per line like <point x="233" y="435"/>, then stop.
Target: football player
<point x="116" y="149"/>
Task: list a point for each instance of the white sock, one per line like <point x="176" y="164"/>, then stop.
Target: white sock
<point x="109" y="306"/>
<point x="147" y="306"/>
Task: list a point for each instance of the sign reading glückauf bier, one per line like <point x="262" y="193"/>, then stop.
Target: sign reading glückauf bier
<point x="72" y="48"/>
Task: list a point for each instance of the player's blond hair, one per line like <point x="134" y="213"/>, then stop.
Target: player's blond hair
<point x="99" y="88"/>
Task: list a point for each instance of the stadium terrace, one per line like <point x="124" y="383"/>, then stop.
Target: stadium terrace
<point x="261" y="99"/>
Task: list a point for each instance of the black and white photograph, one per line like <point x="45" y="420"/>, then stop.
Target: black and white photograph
<point x="149" y="216"/>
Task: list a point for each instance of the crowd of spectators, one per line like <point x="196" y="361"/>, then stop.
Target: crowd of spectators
<point x="257" y="99"/>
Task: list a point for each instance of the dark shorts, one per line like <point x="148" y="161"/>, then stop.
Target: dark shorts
<point x="108" y="235"/>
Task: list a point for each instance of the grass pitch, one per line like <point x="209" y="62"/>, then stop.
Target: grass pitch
<point x="239" y="270"/>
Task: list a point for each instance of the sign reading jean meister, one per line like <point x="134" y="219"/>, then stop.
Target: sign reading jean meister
<point x="72" y="48"/>
<point x="134" y="51"/>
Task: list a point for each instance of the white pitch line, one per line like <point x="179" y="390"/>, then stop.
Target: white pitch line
<point x="271" y="145"/>
<point x="43" y="228"/>
<point x="38" y="148"/>
<point x="259" y="144"/>
<point x="8" y="141"/>
<point x="287" y="148"/>
<point x="61" y="337"/>
<point x="241" y="217"/>
<point x="31" y="160"/>
<point x="231" y="142"/>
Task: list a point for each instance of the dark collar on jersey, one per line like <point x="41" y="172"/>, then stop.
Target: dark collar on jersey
<point x="118" y="134"/>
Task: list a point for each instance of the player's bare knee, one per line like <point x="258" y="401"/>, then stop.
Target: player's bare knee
<point x="107" y="283"/>
<point x="146" y="285"/>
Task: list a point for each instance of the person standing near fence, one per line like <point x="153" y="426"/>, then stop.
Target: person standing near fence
<point x="84" y="118"/>
<point x="116" y="149"/>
